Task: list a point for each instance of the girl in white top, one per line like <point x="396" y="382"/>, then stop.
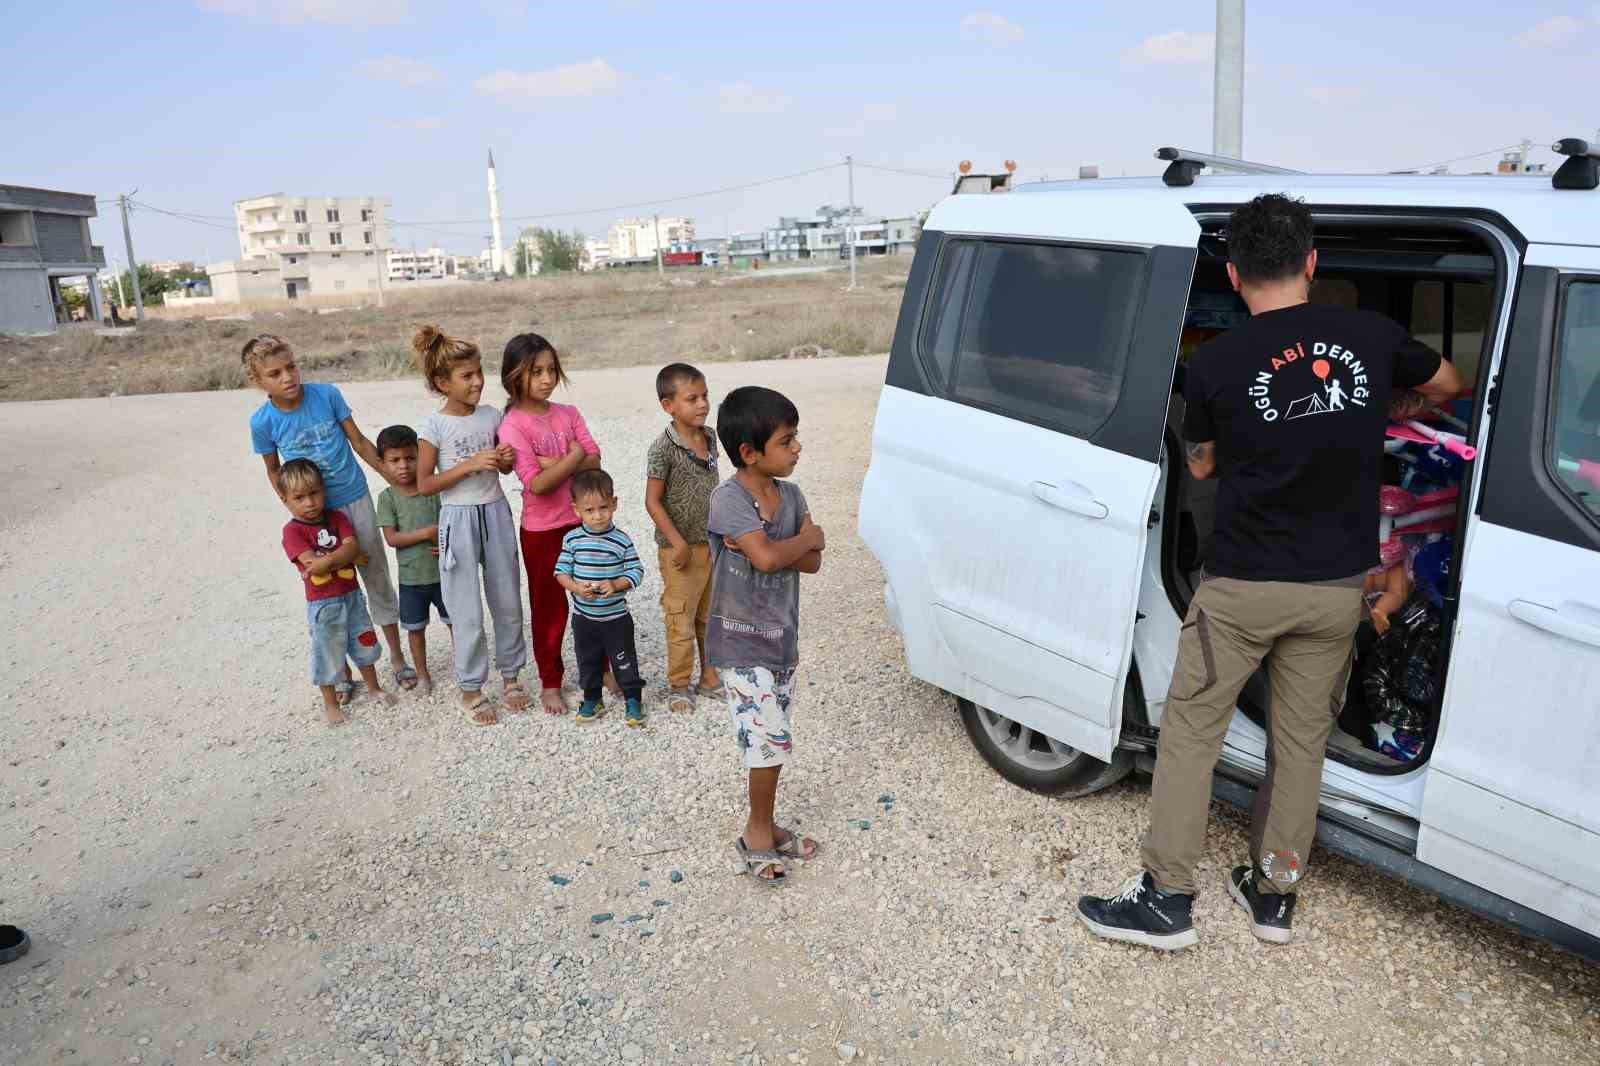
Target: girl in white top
<point x="460" y="459"/>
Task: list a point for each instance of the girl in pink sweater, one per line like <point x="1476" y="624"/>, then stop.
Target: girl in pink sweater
<point x="552" y="443"/>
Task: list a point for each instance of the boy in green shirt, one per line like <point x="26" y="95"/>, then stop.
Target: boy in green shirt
<point x="410" y="524"/>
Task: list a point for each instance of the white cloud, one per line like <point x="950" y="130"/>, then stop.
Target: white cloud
<point x="420" y="124"/>
<point x="576" y="79"/>
<point x="991" y="26"/>
<point x="349" y="12"/>
<point x="1179" y="46"/>
<point x="742" y="98"/>
<point x="403" y="71"/>
<point x="1552" y="32"/>
<point x="1336" y="94"/>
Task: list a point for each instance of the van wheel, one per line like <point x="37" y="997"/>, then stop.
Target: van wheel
<point x="1038" y="763"/>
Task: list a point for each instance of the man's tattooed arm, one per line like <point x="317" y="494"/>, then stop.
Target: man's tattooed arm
<point x="1202" y="458"/>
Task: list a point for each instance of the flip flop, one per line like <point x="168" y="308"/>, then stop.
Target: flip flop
<point x="718" y="693"/>
<point x="406" y="674"/>
<point x="757" y="863"/>
<point x="515" y="687"/>
<point x="477" y="709"/>
<point x="791" y="848"/>
<point x="345" y="690"/>
<point x="680" y="701"/>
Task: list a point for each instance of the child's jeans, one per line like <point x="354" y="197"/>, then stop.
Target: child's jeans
<point x="340" y="629"/>
<point x="686" y="606"/>
<point x="600" y="644"/>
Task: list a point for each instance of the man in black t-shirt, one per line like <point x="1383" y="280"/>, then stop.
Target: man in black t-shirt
<point x="1288" y="410"/>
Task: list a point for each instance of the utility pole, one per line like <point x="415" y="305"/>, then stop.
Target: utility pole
<point x="661" y="270"/>
<point x="850" y="220"/>
<point x="383" y="268"/>
<point x="118" y="264"/>
<point x="1227" y="105"/>
<point x="133" y="264"/>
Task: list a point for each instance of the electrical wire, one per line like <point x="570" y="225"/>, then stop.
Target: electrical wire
<point x="198" y="220"/>
<point x="1474" y="155"/>
<point x="902" y="170"/>
<point x="628" y="206"/>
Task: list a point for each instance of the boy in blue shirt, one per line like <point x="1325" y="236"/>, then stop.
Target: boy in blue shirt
<point x="312" y="421"/>
<point x="599" y="566"/>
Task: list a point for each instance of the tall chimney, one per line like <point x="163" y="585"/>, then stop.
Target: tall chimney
<point x="496" y="256"/>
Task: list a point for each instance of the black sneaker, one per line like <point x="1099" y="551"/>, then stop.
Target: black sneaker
<point x="1271" y="914"/>
<point x="1139" y="914"/>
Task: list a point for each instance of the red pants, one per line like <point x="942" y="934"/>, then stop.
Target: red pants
<point x="547" y="601"/>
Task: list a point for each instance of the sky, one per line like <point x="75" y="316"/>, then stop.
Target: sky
<point x="595" y="105"/>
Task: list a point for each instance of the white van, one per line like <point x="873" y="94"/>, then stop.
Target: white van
<point x="1041" y="537"/>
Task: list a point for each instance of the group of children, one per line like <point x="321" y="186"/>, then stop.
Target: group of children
<point x="730" y="552"/>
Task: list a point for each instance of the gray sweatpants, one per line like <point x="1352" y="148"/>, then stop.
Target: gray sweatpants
<point x="482" y="535"/>
<point x="381" y="598"/>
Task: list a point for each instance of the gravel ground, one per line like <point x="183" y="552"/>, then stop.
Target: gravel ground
<point x="210" y="875"/>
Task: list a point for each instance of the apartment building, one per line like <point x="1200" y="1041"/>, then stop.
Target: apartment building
<point x="596" y="254"/>
<point x="635" y="238"/>
<point x="409" y="264"/>
<point x="294" y="246"/>
<point x="44" y="240"/>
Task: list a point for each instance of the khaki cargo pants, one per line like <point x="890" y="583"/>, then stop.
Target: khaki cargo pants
<point x="1305" y="634"/>
<point x="686" y="606"/>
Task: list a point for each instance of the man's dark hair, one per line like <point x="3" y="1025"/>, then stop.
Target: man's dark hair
<point x="1269" y="237"/>
<point x="672" y="377"/>
<point x="396" y="437"/>
<point x="751" y="415"/>
<point x="595" y="482"/>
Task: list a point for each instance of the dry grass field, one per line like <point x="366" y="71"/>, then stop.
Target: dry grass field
<point x="604" y="320"/>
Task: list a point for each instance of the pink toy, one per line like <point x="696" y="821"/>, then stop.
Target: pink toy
<point x="1584" y="468"/>
<point x="1394" y="500"/>
<point x="1413" y="430"/>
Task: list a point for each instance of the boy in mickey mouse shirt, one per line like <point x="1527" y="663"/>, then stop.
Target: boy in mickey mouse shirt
<point x="323" y="547"/>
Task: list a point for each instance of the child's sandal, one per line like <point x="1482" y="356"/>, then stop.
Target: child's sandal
<point x="764" y="867"/>
<point x="680" y="701"/>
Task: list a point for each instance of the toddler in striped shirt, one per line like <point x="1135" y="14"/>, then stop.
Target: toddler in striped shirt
<point x="599" y="566"/>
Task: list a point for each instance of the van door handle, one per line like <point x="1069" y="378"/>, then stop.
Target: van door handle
<point x="1075" y="498"/>
<point x="1554" y="621"/>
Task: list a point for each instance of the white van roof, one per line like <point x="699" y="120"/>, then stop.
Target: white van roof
<point x="1542" y="214"/>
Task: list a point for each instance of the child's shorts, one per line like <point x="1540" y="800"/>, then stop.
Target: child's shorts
<point x="761" y="702"/>
<point x="414" y="602"/>
<point x="340" y="628"/>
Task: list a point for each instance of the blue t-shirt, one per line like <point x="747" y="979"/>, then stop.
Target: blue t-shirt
<point x="312" y="431"/>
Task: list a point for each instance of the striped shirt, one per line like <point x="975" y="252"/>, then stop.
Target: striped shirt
<point x="603" y="556"/>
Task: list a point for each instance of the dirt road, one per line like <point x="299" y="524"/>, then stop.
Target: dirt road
<point x="210" y="875"/>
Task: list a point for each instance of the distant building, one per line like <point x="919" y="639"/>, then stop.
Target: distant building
<point x="596" y="254"/>
<point x="44" y="238"/>
<point x="293" y="246"/>
<point x="1515" y="161"/>
<point x="172" y="266"/>
<point x="635" y="238"/>
<point x="411" y="265"/>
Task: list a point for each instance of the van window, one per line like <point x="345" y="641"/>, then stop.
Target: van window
<point x="1450" y="317"/>
<point x="941" y="330"/>
<point x="1045" y="336"/>
<point x="1576" y="440"/>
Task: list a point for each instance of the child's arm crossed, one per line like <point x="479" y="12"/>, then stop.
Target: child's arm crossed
<point x="395" y="538"/>
<point x="317" y="565"/>
<point x="769" y="556"/>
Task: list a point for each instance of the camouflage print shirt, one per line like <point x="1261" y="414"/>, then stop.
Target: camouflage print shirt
<point x="687" y="483"/>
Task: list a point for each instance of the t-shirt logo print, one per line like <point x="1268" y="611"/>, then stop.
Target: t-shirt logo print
<point x="1328" y="393"/>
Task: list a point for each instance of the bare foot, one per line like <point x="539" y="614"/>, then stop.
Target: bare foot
<point x="404" y="676"/>
<point x="388" y="698"/>
<point x="709" y="680"/>
<point x="479" y="710"/>
<point x="611" y="684"/>
<point x="514" y="696"/>
<point x="334" y="715"/>
<point x="680" y="702"/>
<point x="425" y="684"/>
<point x="552" y="701"/>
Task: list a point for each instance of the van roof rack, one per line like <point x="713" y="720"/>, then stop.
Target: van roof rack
<point x="1582" y="167"/>
<point x="1183" y="165"/>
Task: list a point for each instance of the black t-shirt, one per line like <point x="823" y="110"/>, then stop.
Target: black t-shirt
<point x="1297" y="400"/>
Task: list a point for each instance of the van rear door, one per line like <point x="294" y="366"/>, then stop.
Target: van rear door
<point x="1017" y="447"/>
<point x="1512" y="801"/>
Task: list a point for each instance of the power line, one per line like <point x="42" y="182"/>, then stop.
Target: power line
<point x="902" y="170"/>
<point x="628" y="206"/>
<point x="198" y="220"/>
<point x="1464" y="158"/>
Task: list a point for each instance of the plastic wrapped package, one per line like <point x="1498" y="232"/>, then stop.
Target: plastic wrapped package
<point x="1398" y="679"/>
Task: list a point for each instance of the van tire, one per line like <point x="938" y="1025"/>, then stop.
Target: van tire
<point x="1078" y="775"/>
